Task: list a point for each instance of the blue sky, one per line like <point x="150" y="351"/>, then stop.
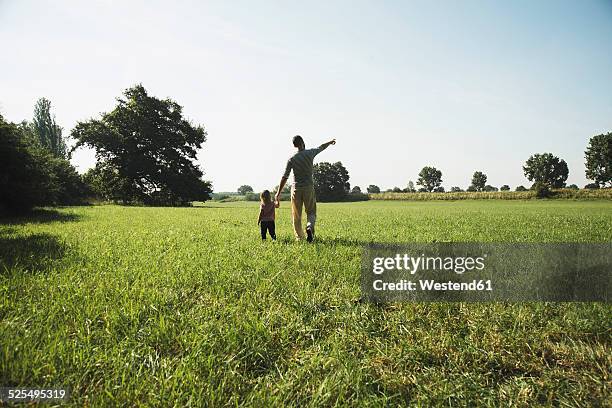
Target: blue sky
<point x="463" y="86"/>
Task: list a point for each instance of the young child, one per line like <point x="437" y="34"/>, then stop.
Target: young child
<point x="266" y="215"/>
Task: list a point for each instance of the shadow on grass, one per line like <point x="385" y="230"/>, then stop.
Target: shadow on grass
<point x="31" y="253"/>
<point x="38" y="216"/>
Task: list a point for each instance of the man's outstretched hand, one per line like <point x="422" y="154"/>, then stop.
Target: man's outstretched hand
<point x="325" y="145"/>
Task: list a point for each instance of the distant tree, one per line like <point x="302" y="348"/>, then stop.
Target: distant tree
<point x="397" y="190"/>
<point x="546" y="168"/>
<point x="592" y="186"/>
<point x="456" y="189"/>
<point x="422" y="190"/>
<point x="47" y="131"/>
<point x="479" y="180"/>
<point x="244" y="189"/>
<point x="146" y="150"/>
<point x="490" y="188"/>
<point x="471" y="189"/>
<point x="430" y="178"/>
<point x="331" y="181"/>
<point x="410" y="188"/>
<point x="505" y="187"/>
<point x="356" y="190"/>
<point x="286" y="189"/>
<point x="373" y="189"/>
<point x="599" y="159"/>
<point x="520" y="188"/>
<point x="439" y="189"/>
<point x="389" y="190"/>
<point x="573" y="187"/>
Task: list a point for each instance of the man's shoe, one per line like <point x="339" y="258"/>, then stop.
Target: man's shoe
<point x="309" y="234"/>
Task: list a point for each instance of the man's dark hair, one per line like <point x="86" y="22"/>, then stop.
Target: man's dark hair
<point x="298" y="141"/>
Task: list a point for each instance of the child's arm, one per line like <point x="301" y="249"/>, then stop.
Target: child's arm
<point x="259" y="217"/>
<point x="277" y="203"/>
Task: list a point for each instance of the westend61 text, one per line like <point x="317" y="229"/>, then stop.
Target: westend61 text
<point x="432" y="285"/>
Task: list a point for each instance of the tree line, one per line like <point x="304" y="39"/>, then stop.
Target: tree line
<point x="545" y="170"/>
<point x="145" y="154"/>
<point x="146" y="150"/>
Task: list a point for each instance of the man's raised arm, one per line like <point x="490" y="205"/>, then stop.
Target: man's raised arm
<point x="326" y="145"/>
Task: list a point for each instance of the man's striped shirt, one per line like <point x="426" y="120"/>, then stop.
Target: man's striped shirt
<point x="301" y="164"/>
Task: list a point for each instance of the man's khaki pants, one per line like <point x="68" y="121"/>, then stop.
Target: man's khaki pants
<point x="303" y="196"/>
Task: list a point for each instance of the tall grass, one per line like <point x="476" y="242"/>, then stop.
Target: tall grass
<point x="179" y="307"/>
<point x="565" y="193"/>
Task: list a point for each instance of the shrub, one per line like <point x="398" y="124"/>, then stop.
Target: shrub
<point x="250" y="196"/>
<point x="520" y="188"/>
<point x="31" y="176"/>
<point x="541" y="190"/>
<point x="592" y="186"/>
<point x="505" y="187"/>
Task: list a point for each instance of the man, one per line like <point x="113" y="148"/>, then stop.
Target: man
<point x="302" y="191"/>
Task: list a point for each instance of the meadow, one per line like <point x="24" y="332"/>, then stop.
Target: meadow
<point x="134" y="306"/>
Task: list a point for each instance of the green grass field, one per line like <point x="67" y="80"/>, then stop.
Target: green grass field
<point x="186" y="307"/>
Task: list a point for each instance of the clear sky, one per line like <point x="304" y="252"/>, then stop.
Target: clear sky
<point x="462" y="86"/>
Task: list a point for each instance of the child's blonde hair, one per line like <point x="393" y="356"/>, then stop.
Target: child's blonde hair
<point x="265" y="197"/>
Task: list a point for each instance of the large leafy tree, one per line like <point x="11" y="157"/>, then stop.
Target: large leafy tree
<point x="145" y="151"/>
<point x="599" y="159"/>
<point x="373" y="189"/>
<point x="48" y="132"/>
<point x="244" y="189"/>
<point x="430" y="178"/>
<point x="331" y="181"/>
<point x="479" y="181"/>
<point x="547" y="169"/>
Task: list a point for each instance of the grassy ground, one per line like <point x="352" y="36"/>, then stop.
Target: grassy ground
<point x="178" y="307"/>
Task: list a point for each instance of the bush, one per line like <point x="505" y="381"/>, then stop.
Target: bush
<point x="573" y="187"/>
<point x="31" y="176"/>
<point x="355" y="197"/>
<point x="456" y="189"/>
<point x="505" y="187"/>
<point x="592" y="186"/>
<point x="521" y="188"/>
<point x="26" y="179"/>
<point x="541" y="190"/>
